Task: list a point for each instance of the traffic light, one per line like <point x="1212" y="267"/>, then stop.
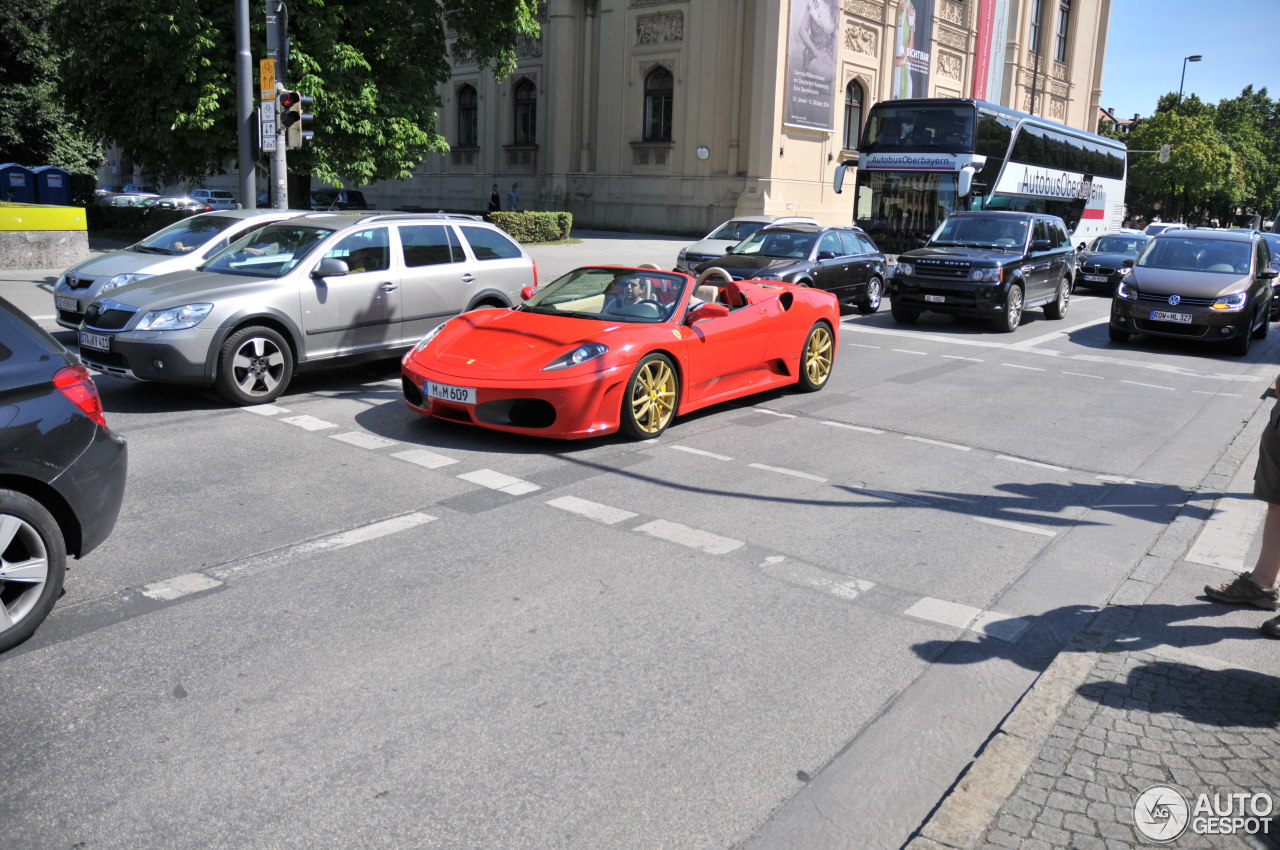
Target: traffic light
<point x="295" y="118"/>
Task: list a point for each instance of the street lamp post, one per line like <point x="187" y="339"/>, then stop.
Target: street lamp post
<point x="1187" y="59"/>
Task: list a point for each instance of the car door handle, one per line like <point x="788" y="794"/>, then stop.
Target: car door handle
<point x="468" y="278"/>
<point x="388" y="287"/>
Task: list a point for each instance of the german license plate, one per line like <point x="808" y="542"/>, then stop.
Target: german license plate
<point x="100" y="342"/>
<point x="69" y="304"/>
<point x="457" y="395"/>
<point x="935" y="299"/>
<point x="1095" y="278"/>
<point x="1180" y="318"/>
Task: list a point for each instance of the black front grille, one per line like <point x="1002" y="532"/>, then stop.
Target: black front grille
<point x="69" y="316"/>
<point x="104" y="358"/>
<point x="79" y="282"/>
<point x="1088" y="269"/>
<point x="1151" y="297"/>
<point x="106" y="320"/>
<point x="957" y="271"/>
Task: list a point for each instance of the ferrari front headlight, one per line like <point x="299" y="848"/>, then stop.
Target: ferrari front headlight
<point x="583" y="353"/>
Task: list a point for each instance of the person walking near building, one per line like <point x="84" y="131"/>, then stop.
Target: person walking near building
<point x="513" y="198"/>
<point x="495" y="199"/>
<point x="1258" y="586"/>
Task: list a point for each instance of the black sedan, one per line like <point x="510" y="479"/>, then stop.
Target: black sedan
<point x="842" y="260"/>
<point x="62" y="471"/>
<point x="1273" y="244"/>
<point x="1101" y="264"/>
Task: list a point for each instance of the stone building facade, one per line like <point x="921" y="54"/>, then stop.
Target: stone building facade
<point x="670" y="115"/>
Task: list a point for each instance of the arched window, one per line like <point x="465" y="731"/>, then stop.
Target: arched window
<point x="526" y="114"/>
<point x="659" y="98"/>
<point x="468" y="117"/>
<point x="852" y="114"/>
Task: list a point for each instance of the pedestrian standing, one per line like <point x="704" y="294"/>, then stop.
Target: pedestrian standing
<point x="1258" y="586"/>
<point x="513" y="198"/>
<point x="495" y="199"/>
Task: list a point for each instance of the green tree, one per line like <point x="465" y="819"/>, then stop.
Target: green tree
<point x="158" y="77"/>
<point x="1200" y="165"/>
<point x="1248" y="124"/>
<point x="35" y="128"/>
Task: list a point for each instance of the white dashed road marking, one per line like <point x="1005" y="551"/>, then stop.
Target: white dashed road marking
<point x="674" y="532"/>
<point x="967" y="617"/>
<point x="363" y="440"/>
<point x="1028" y="368"/>
<point x="1017" y="526"/>
<point x="321" y="545"/>
<point x="498" y="481"/>
<point x="1120" y="479"/>
<point x="591" y="510"/>
<point x="1035" y="463"/>
<point x="309" y="423"/>
<point x="781" y="471"/>
<point x="1149" y="386"/>
<point x="422" y="457"/>
<point x="265" y="409"/>
<point x="180" y="586"/>
<point x="955" y="446"/>
<point x="809" y="576"/>
<point x="774" y="412"/>
<point x="861" y="428"/>
<point x="701" y="453"/>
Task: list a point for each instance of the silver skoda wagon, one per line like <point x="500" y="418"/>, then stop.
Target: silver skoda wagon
<point x="301" y="292"/>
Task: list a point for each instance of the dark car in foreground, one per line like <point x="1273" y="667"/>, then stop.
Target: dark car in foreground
<point x="62" y="471"/>
<point x="1101" y="264"/>
<point x="841" y="260"/>
<point x="989" y="265"/>
<point x="1209" y="285"/>
<point x="1273" y="245"/>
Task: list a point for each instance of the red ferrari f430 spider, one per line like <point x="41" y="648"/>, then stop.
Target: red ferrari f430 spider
<point x="606" y="349"/>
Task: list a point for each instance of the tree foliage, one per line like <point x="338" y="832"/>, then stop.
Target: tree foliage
<point x="35" y="128"/>
<point x="1224" y="159"/>
<point x="160" y="79"/>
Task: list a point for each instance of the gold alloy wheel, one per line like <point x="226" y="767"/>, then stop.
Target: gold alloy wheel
<point x="653" y="396"/>
<point x="817" y="356"/>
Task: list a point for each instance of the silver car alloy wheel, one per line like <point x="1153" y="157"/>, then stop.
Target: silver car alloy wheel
<point x="24" y="569"/>
<point x="258" y="366"/>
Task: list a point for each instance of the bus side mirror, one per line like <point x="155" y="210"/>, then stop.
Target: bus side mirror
<point x="965" y="182"/>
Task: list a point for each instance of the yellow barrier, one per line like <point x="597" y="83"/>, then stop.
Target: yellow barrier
<point x="40" y="217"/>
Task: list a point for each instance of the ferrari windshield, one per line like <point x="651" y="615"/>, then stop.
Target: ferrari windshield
<point x="611" y="294"/>
<point x="273" y="251"/>
<point x="778" y="243"/>
<point x="183" y="237"/>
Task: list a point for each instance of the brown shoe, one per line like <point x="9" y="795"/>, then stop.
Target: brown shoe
<point x="1243" y="590"/>
<point x="1271" y="628"/>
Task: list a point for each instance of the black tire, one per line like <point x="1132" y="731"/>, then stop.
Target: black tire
<point x="1057" y="308"/>
<point x="1240" y="345"/>
<point x="902" y="315"/>
<point x="649" y="404"/>
<point x="816" y="358"/>
<point x="1009" y="319"/>
<point x="871" y="303"/>
<point x="1117" y="335"/>
<point x="29" y="536"/>
<point x="255" y="365"/>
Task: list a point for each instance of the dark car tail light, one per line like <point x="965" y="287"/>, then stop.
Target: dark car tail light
<point x="74" y="383"/>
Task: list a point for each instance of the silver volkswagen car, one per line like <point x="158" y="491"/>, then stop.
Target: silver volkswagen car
<point x="184" y="244"/>
<point x="300" y="292"/>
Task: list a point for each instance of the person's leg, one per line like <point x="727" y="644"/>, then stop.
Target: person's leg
<point x="1256" y="587"/>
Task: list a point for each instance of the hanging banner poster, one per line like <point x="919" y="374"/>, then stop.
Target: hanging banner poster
<point x="988" y="70"/>
<point x="912" y="42"/>
<point x="811" y="64"/>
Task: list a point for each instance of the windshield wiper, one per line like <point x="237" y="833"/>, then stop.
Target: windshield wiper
<point x="148" y="249"/>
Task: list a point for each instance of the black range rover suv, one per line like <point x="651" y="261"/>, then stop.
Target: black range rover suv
<point x="989" y="264"/>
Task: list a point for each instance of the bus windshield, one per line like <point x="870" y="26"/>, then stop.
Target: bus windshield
<point x="943" y="128"/>
<point x="899" y="210"/>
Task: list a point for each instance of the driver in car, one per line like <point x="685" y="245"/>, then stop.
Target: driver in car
<point x="628" y="291"/>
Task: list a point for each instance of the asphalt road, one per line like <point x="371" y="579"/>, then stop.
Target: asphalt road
<point x="788" y="622"/>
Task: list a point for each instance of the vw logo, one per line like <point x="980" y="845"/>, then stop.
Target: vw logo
<point x="1175" y="300"/>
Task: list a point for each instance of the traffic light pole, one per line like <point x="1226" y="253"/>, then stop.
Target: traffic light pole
<point x="277" y="33"/>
